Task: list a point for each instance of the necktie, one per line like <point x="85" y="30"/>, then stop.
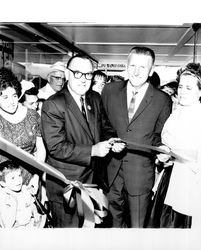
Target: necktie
<point x="83" y="108"/>
<point x="131" y="108"/>
<point x="84" y="113"/>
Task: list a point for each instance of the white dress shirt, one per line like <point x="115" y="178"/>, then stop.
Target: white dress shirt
<point x="77" y="100"/>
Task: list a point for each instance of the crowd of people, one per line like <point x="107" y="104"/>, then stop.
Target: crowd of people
<point x="115" y="134"/>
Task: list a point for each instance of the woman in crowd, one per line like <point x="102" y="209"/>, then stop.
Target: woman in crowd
<point x="19" y="125"/>
<point x="177" y="200"/>
<point x="171" y="89"/>
<point x="98" y="81"/>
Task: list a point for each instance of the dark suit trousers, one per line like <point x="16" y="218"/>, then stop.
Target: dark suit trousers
<point x="62" y="216"/>
<point x="127" y="211"/>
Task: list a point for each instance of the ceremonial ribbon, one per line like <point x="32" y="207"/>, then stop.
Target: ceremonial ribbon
<point x="91" y="203"/>
<point x="158" y="149"/>
<point x="22" y="155"/>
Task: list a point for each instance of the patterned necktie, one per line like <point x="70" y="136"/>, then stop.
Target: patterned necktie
<point x="131" y="108"/>
<point x="83" y="108"/>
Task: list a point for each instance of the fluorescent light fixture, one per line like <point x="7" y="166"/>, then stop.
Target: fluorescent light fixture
<point x="113" y="43"/>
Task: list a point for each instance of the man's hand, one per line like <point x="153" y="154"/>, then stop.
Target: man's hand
<point x="101" y="149"/>
<point x="117" y="144"/>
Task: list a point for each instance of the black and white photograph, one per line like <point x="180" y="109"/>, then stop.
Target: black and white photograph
<point x="100" y="125"/>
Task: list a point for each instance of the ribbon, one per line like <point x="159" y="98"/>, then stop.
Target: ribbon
<point x="91" y="203"/>
<point x="22" y="155"/>
<point x="160" y="150"/>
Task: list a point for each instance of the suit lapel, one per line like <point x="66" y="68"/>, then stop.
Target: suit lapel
<point x="73" y="107"/>
<point x="122" y="103"/>
<point x="145" y="102"/>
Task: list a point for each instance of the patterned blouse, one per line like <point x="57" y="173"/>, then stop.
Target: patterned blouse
<point x="22" y="134"/>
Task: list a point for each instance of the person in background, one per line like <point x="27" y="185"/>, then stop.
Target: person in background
<point x="137" y="111"/>
<point x="115" y="78"/>
<point x="30" y="98"/>
<point x="155" y="80"/>
<point x="39" y="82"/>
<point x="56" y="80"/>
<point x="98" y="81"/>
<point x="177" y="200"/>
<point x="77" y="135"/>
<point x="17" y="208"/>
<point x="171" y="89"/>
<point x="20" y="126"/>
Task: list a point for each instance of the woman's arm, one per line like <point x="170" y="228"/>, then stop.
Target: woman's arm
<point x="40" y="153"/>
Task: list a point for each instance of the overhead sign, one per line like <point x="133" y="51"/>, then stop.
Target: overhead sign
<point x="112" y="66"/>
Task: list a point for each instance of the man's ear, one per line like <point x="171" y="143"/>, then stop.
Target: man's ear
<point x="151" y="71"/>
<point x="2" y="183"/>
<point x="66" y="73"/>
<point x="48" y="78"/>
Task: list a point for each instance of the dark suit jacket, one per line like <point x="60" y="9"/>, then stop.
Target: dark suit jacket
<point x="145" y="128"/>
<point x="68" y="138"/>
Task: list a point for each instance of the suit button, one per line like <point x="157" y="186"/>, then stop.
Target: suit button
<point x="125" y="161"/>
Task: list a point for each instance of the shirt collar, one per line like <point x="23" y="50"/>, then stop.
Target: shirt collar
<point x="141" y="89"/>
<point x="50" y="89"/>
<point x="74" y="95"/>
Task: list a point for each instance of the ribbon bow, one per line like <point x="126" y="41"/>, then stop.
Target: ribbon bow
<point x="91" y="203"/>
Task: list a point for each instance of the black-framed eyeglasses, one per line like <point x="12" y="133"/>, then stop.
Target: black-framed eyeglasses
<point x="58" y="78"/>
<point x="77" y="74"/>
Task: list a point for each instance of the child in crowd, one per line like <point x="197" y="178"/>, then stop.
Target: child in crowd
<point x="17" y="208"/>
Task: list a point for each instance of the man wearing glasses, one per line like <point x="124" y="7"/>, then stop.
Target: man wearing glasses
<point x="77" y="134"/>
<point x="56" y="79"/>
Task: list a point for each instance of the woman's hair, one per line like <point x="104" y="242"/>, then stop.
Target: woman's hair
<point x="8" y="79"/>
<point x="193" y="69"/>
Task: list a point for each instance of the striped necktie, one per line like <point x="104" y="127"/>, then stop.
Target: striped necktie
<point x="83" y="108"/>
<point x="131" y="109"/>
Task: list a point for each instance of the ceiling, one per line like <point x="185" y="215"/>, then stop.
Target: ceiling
<point x="106" y="44"/>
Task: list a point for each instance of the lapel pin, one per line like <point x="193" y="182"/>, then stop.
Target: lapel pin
<point x="88" y="107"/>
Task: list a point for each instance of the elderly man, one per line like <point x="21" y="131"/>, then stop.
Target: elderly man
<point x="77" y="135"/>
<point x="56" y="79"/>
